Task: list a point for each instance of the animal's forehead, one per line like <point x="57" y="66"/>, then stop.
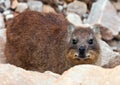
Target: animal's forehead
<point x="83" y="33"/>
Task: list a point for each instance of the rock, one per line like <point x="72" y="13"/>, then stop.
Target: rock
<point x="7" y="4"/>
<point x="77" y="7"/>
<point x="48" y="8"/>
<point x="9" y="16"/>
<point x="12" y="75"/>
<point x="2" y="45"/>
<point x="104" y="14"/>
<point x="77" y="75"/>
<point x="107" y="54"/>
<point x="89" y="75"/>
<point x="21" y="7"/>
<point x="35" y="5"/>
<point x="2" y="24"/>
<point x="14" y="4"/>
<point x="1" y="1"/>
<point x="1" y="10"/>
<point x="6" y="12"/>
<point x="117" y="5"/>
<point x="74" y="19"/>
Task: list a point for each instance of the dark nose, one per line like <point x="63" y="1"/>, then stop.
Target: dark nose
<point x="82" y="52"/>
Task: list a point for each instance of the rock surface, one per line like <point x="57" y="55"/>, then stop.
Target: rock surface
<point x="107" y="54"/>
<point x="47" y="9"/>
<point x="104" y="14"/>
<point x="2" y="45"/>
<point x="35" y="5"/>
<point x="77" y="7"/>
<point x="89" y="75"/>
<point x="2" y="24"/>
<point x="74" y="19"/>
<point x="77" y="75"/>
<point x="21" y="7"/>
<point x="11" y="75"/>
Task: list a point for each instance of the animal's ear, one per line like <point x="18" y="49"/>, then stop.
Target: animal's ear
<point x="96" y="30"/>
<point x="70" y="30"/>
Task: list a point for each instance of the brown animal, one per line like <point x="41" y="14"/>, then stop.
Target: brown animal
<point x="46" y="41"/>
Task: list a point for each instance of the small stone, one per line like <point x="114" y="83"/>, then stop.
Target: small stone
<point x="74" y="19"/>
<point x="6" y="12"/>
<point x="21" y="7"/>
<point x="77" y="7"/>
<point x="7" y="4"/>
<point x="9" y="16"/>
<point x="104" y="14"/>
<point x="14" y="4"/>
<point x="117" y="5"/>
<point x="48" y="8"/>
<point x="35" y="5"/>
<point x="2" y="24"/>
<point x="1" y="1"/>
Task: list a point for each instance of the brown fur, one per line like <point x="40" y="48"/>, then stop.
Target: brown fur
<point x="38" y="41"/>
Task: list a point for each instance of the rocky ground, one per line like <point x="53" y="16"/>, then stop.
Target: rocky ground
<point x="104" y="18"/>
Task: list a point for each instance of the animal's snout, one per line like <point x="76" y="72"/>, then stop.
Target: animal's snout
<point x="82" y="52"/>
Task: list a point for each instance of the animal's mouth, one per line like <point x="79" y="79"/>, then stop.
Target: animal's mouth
<point x="80" y="57"/>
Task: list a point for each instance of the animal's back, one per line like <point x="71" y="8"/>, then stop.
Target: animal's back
<point x="36" y="41"/>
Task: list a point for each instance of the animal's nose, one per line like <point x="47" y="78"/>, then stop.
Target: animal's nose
<point x="82" y="51"/>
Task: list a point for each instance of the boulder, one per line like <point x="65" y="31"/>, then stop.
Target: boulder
<point x="89" y="75"/>
<point x="12" y="75"/>
<point x="104" y="15"/>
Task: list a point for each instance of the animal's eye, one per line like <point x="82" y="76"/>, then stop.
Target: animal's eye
<point x="90" y="41"/>
<point x="74" y="41"/>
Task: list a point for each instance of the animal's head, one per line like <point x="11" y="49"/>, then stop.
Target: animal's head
<point x="83" y="47"/>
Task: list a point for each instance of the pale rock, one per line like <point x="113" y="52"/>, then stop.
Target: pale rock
<point x="117" y="5"/>
<point x="89" y="75"/>
<point x="21" y="7"/>
<point x="1" y="1"/>
<point x="6" y="12"/>
<point x="47" y="9"/>
<point x="35" y="5"/>
<point x="7" y="4"/>
<point x="9" y="16"/>
<point x="119" y="14"/>
<point x="107" y="54"/>
<point x="104" y="14"/>
<point x="60" y="8"/>
<point x="14" y="4"/>
<point x="2" y="24"/>
<point x="12" y="75"/>
<point x="2" y="45"/>
<point x="74" y="19"/>
<point x="77" y="7"/>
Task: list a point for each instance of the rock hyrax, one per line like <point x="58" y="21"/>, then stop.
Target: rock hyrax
<point x="46" y="41"/>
